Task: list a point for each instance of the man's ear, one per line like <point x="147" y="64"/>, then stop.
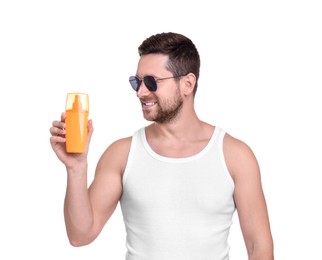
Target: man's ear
<point x="189" y="82"/>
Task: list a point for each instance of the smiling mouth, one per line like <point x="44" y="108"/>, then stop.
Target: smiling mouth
<point x="148" y="104"/>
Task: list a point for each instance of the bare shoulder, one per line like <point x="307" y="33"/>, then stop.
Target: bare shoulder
<point x="106" y="188"/>
<point x="121" y="145"/>
<point x="249" y="197"/>
<point x="240" y="159"/>
<point x="115" y="156"/>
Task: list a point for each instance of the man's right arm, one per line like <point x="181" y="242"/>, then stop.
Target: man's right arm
<point x="86" y="210"/>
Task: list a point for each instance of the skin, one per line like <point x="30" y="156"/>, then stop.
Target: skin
<point x="87" y="210"/>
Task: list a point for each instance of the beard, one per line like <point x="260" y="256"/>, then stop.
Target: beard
<point x="167" y="110"/>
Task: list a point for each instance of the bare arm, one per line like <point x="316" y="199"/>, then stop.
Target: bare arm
<point x="249" y="199"/>
<point x="86" y="210"/>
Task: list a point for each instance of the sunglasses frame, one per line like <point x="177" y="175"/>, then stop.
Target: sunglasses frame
<point x="149" y="81"/>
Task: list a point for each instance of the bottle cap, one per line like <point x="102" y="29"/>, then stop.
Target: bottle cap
<point x="77" y="102"/>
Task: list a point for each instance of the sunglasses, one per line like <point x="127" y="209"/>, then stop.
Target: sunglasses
<point x="149" y="81"/>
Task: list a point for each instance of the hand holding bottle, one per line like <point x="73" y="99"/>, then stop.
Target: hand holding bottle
<point x="64" y="131"/>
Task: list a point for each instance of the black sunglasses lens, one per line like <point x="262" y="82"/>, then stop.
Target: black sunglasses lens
<point x="135" y="83"/>
<point x="150" y="83"/>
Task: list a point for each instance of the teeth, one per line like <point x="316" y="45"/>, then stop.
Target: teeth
<point x="149" y="103"/>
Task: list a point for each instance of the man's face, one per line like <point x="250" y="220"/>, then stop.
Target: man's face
<point x="165" y="103"/>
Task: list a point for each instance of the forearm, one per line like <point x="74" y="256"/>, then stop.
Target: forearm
<point x="77" y="207"/>
<point x="262" y="256"/>
<point x="264" y="252"/>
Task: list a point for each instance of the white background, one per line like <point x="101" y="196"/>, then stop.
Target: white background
<point x="260" y="80"/>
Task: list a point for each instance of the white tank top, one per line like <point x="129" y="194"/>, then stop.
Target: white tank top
<point x="177" y="208"/>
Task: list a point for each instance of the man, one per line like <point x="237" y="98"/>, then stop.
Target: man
<point x="178" y="180"/>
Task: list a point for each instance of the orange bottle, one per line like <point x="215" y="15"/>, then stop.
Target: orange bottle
<point x="76" y="122"/>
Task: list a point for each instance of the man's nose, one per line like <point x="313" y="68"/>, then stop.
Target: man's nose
<point x="143" y="90"/>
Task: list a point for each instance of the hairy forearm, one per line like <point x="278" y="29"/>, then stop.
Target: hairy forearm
<point x="77" y="208"/>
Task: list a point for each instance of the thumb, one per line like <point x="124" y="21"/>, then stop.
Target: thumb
<point x="90" y="130"/>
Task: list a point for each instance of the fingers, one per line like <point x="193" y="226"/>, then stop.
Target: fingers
<point x="58" y="128"/>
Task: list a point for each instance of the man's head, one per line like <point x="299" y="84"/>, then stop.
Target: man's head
<point x="183" y="56"/>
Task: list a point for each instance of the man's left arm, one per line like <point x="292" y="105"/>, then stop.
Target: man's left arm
<point x="249" y="199"/>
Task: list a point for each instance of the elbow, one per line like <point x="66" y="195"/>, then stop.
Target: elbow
<point x="79" y="241"/>
<point x="264" y="251"/>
